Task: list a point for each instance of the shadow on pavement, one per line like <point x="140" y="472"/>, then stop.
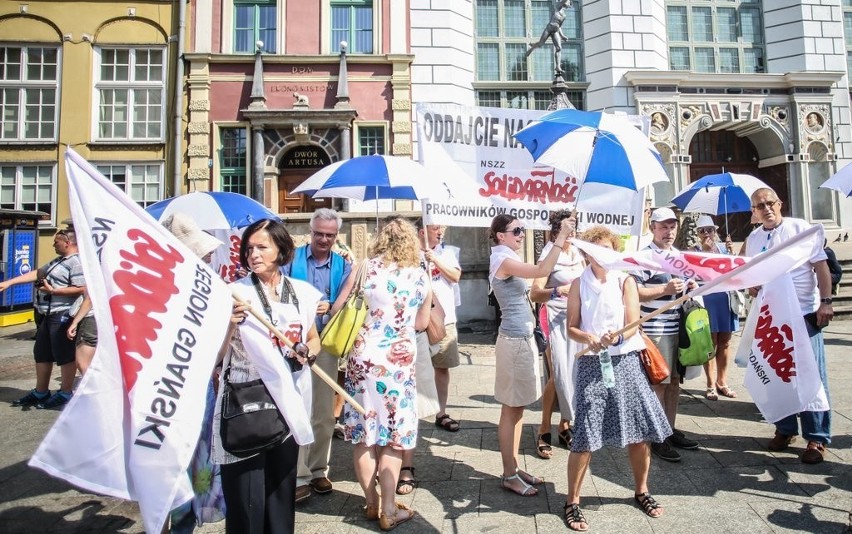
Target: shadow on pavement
<point x="22" y="518"/>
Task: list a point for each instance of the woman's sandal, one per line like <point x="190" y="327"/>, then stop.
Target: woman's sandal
<point x="447" y="423"/>
<point x="710" y="394"/>
<point x="528" y="478"/>
<point x="573" y="515"/>
<point x="404" y="487"/>
<point x="565" y="437"/>
<point x="389" y="523"/>
<point x="649" y="505"/>
<point x="726" y="391"/>
<point x="526" y="491"/>
<point x="543" y="445"/>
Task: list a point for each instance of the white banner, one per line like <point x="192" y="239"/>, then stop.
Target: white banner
<point x="476" y="142"/>
<point x="782" y="376"/>
<point x="132" y="425"/>
<point x="226" y="260"/>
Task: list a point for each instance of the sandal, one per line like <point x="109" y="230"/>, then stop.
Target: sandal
<point x="725" y="391"/>
<point x="389" y="523"/>
<point x="544" y="449"/>
<point x="573" y="514"/>
<point x="525" y="491"/>
<point x="565" y="437"/>
<point x="528" y="478"/>
<point x="404" y="487"/>
<point x="447" y="423"/>
<point x="649" y="505"/>
<point x="710" y="394"/>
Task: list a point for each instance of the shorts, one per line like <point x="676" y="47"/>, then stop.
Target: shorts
<point x="52" y="344"/>
<point x="87" y="332"/>
<point x="445" y="354"/>
<point x="668" y="345"/>
<point x="517" y="380"/>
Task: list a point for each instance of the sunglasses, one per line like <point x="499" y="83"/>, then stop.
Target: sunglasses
<point x="517" y="231"/>
<point x="706" y="230"/>
<point x="763" y="205"/>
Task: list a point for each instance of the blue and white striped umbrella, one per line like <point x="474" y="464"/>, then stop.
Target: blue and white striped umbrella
<point x="213" y="210"/>
<point x="373" y="178"/>
<point x="719" y="194"/>
<point x="594" y="147"/>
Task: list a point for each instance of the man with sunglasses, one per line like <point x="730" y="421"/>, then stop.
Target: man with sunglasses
<point x="329" y="272"/>
<point x="813" y="291"/>
<point x="58" y="285"/>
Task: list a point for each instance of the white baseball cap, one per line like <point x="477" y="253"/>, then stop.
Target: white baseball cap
<point x="663" y="214"/>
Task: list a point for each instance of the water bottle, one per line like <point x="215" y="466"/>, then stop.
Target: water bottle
<point x="606" y="369"/>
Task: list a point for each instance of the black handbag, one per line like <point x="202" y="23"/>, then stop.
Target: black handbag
<point x="251" y="421"/>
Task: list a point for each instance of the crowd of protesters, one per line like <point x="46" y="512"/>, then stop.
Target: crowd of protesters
<point x="603" y="397"/>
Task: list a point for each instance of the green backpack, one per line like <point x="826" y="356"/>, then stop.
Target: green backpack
<point x="696" y="343"/>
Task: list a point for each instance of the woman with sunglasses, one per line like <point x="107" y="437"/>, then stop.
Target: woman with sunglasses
<point x="517" y="381"/>
<point x="723" y="322"/>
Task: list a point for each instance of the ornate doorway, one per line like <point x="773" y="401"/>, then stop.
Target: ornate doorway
<point x="297" y="164"/>
<point x="714" y="152"/>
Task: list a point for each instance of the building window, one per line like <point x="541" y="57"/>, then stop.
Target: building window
<point x="130" y="94"/>
<point x="233" y="160"/>
<point x="143" y="182"/>
<point x="532" y="99"/>
<point x="28" y="93"/>
<point x="504" y="31"/>
<point x="352" y="21"/>
<point x="724" y="36"/>
<point x="254" y="20"/>
<point x="371" y="140"/>
<point x="28" y="187"/>
<point x="847" y="30"/>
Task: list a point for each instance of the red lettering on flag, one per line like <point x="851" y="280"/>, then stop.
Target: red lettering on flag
<point x="720" y="265"/>
<point x="146" y="283"/>
<point x="533" y="189"/>
<point x="776" y="344"/>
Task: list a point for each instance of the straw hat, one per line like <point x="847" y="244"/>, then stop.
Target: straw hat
<point x="704" y="221"/>
<point x="188" y="232"/>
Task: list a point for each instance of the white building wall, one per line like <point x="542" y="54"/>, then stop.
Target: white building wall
<point x="621" y="35"/>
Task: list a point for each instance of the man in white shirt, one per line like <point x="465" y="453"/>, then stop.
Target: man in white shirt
<point x="813" y="291"/>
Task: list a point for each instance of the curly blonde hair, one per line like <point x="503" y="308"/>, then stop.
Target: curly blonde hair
<point x="597" y="234"/>
<point x="397" y="243"/>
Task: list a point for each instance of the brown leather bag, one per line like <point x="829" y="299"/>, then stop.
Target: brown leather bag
<point x="653" y="361"/>
<point x="436" y="331"/>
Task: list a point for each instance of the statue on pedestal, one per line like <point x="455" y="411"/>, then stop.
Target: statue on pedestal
<point x="553" y="31"/>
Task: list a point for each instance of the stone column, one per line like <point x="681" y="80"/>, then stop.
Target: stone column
<point x="257" y="157"/>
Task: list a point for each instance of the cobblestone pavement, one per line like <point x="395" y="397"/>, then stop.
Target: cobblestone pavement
<point x="730" y="484"/>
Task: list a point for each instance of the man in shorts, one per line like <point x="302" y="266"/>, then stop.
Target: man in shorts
<point x="59" y="283"/>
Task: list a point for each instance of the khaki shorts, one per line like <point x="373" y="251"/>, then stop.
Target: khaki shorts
<point x="668" y="345"/>
<point x="445" y="354"/>
<point x="87" y="332"/>
<point x="517" y="380"/>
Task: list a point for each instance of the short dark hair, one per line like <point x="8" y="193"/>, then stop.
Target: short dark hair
<point x="277" y="233"/>
<point x="499" y="224"/>
<point x="556" y="218"/>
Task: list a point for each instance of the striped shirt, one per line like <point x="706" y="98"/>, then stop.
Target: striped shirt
<point x="667" y="322"/>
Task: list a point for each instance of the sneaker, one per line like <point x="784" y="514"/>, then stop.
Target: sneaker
<point x="679" y="440"/>
<point x="814" y="453"/>
<point x="55" y="402"/>
<point x="780" y="442"/>
<point x="32" y="398"/>
<point x="665" y="451"/>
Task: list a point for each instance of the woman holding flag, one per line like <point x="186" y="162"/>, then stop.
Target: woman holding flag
<point x="260" y="490"/>
<point x="614" y="403"/>
<point x="517" y="381"/>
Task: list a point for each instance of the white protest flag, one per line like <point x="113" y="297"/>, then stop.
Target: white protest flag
<point x="781" y="371"/>
<point x="132" y="426"/>
<point x="719" y="272"/>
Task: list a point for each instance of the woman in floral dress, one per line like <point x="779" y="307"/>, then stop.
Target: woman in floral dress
<point x="380" y="373"/>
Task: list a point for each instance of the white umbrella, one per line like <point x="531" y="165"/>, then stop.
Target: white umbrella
<point x="842" y="181"/>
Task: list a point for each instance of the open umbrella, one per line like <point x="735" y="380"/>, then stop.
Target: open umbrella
<point x="719" y="194"/>
<point x="842" y="181"/>
<point x="213" y="210"/>
<point x="373" y="178"/>
<point x="594" y="147"/>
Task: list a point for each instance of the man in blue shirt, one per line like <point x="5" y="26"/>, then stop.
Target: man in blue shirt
<point x="329" y="272"/>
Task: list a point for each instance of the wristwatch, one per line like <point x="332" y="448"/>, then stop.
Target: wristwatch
<point x="826" y="300"/>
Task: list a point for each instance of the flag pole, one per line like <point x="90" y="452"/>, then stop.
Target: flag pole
<point x="319" y="372"/>
<point x="756" y="260"/>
